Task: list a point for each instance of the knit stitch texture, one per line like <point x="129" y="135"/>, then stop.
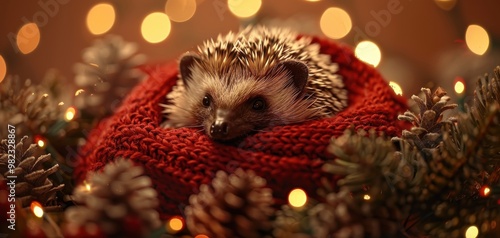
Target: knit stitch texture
<point x="180" y="160"/>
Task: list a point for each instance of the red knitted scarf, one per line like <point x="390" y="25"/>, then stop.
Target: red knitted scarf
<point x="179" y="160"/>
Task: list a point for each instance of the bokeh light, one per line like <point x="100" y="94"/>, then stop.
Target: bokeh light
<point x="397" y="89"/>
<point x="201" y="236"/>
<point x="40" y="143"/>
<point x="180" y="10"/>
<point x="70" y="114"/>
<point x="28" y="38"/>
<point x="335" y="23"/>
<point x="39" y="140"/>
<point x="79" y="91"/>
<point x="485" y="191"/>
<point x="87" y="185"/>
<point x="459" y="86"/>
<point x="175" y="224"/>
<point x="155" y="27"/>
<point x="368" y="52"/>
<point x="446" y="4"/>
<point x="3" y="68"/>
<point x="36" y="208"/>
<point x="366" y="197"/>
<point x="244" y="8"/>
<point x="472" y="232"/>
<point x="101" y="18"/>
<point x="477" y="39"/>
<point x="297" y="198"/>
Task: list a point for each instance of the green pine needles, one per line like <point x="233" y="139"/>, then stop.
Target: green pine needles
<point x="439" y="179"/>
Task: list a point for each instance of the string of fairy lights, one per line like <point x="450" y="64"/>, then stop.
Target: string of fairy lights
<point x="156" y="26"/>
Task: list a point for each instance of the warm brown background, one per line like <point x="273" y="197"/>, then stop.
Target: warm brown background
<point x="420" y="45"/>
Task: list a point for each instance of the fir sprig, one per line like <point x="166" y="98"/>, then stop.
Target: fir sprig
<point x="376" y="176"/>
<point x="465" y="164"/>
<point x="461" y="161"/>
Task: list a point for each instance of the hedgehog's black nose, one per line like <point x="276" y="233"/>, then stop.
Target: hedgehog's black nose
<point x="219" y="129"/>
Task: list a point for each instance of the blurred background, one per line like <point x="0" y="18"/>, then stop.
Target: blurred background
<point x="425" y="43"/>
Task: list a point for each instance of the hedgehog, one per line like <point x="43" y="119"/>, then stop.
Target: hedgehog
<point x="257" y="78"/>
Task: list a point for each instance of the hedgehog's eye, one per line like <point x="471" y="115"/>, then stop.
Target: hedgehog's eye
<point x="258" y="104"/>
<point x="206" y="100"/>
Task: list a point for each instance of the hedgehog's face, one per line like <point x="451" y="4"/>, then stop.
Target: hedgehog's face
<point x="224" y="120"/>
<point x="236" y="103"/>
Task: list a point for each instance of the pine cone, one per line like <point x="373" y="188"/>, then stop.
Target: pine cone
<point x="427" y="120"/>
<point x="107" y="73"/>
<point x="341" y="216"/>
<point x="32" y="182"/>
<point x="237" y="205"/>
<point x="119" y="199"/>
<point x="31" y="108"/>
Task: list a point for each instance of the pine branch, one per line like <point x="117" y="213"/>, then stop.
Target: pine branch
<point x="482" y="130"/>
<point x="463" y="164"/>
<point x="360" y="159"/>
<point x="379" y="179"/>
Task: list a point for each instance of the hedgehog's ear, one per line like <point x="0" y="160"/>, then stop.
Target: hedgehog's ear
<point x="188" y="60"/>
<point x="298" y="71"/>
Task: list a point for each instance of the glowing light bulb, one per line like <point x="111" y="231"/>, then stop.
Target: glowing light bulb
<point x="175" y="224"/>
<point x="397" y="89"/>
<point x="180" y="10"/>
<point x="335" y="23"/>
<point x="70" y="113"/>
<point x="471" y="232"/>
<point x="87" y="185"/>
<point x="297" y="198"/>
<point x="459" y="86"/>
<point x="477" y="39"/>
<point x="28" y="38"/>
<point x="366" y="197"/>
<point x="244" y="8"/>
<point x="3" y="68"/>
<point x="36" y="208"/>
<point x="368" y="52"/>
<point x="40" y="143"/>
<point x="485" y="191"/>
<point x="446" y="4"/>
<point x="101" y="18"/>
<point x="155" y="27"/>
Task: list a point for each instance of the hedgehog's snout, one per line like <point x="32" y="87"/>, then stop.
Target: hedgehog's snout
<point x="220" y="127"/>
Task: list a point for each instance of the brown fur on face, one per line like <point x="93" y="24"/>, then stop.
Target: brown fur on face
<point x="234" y="92"/>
